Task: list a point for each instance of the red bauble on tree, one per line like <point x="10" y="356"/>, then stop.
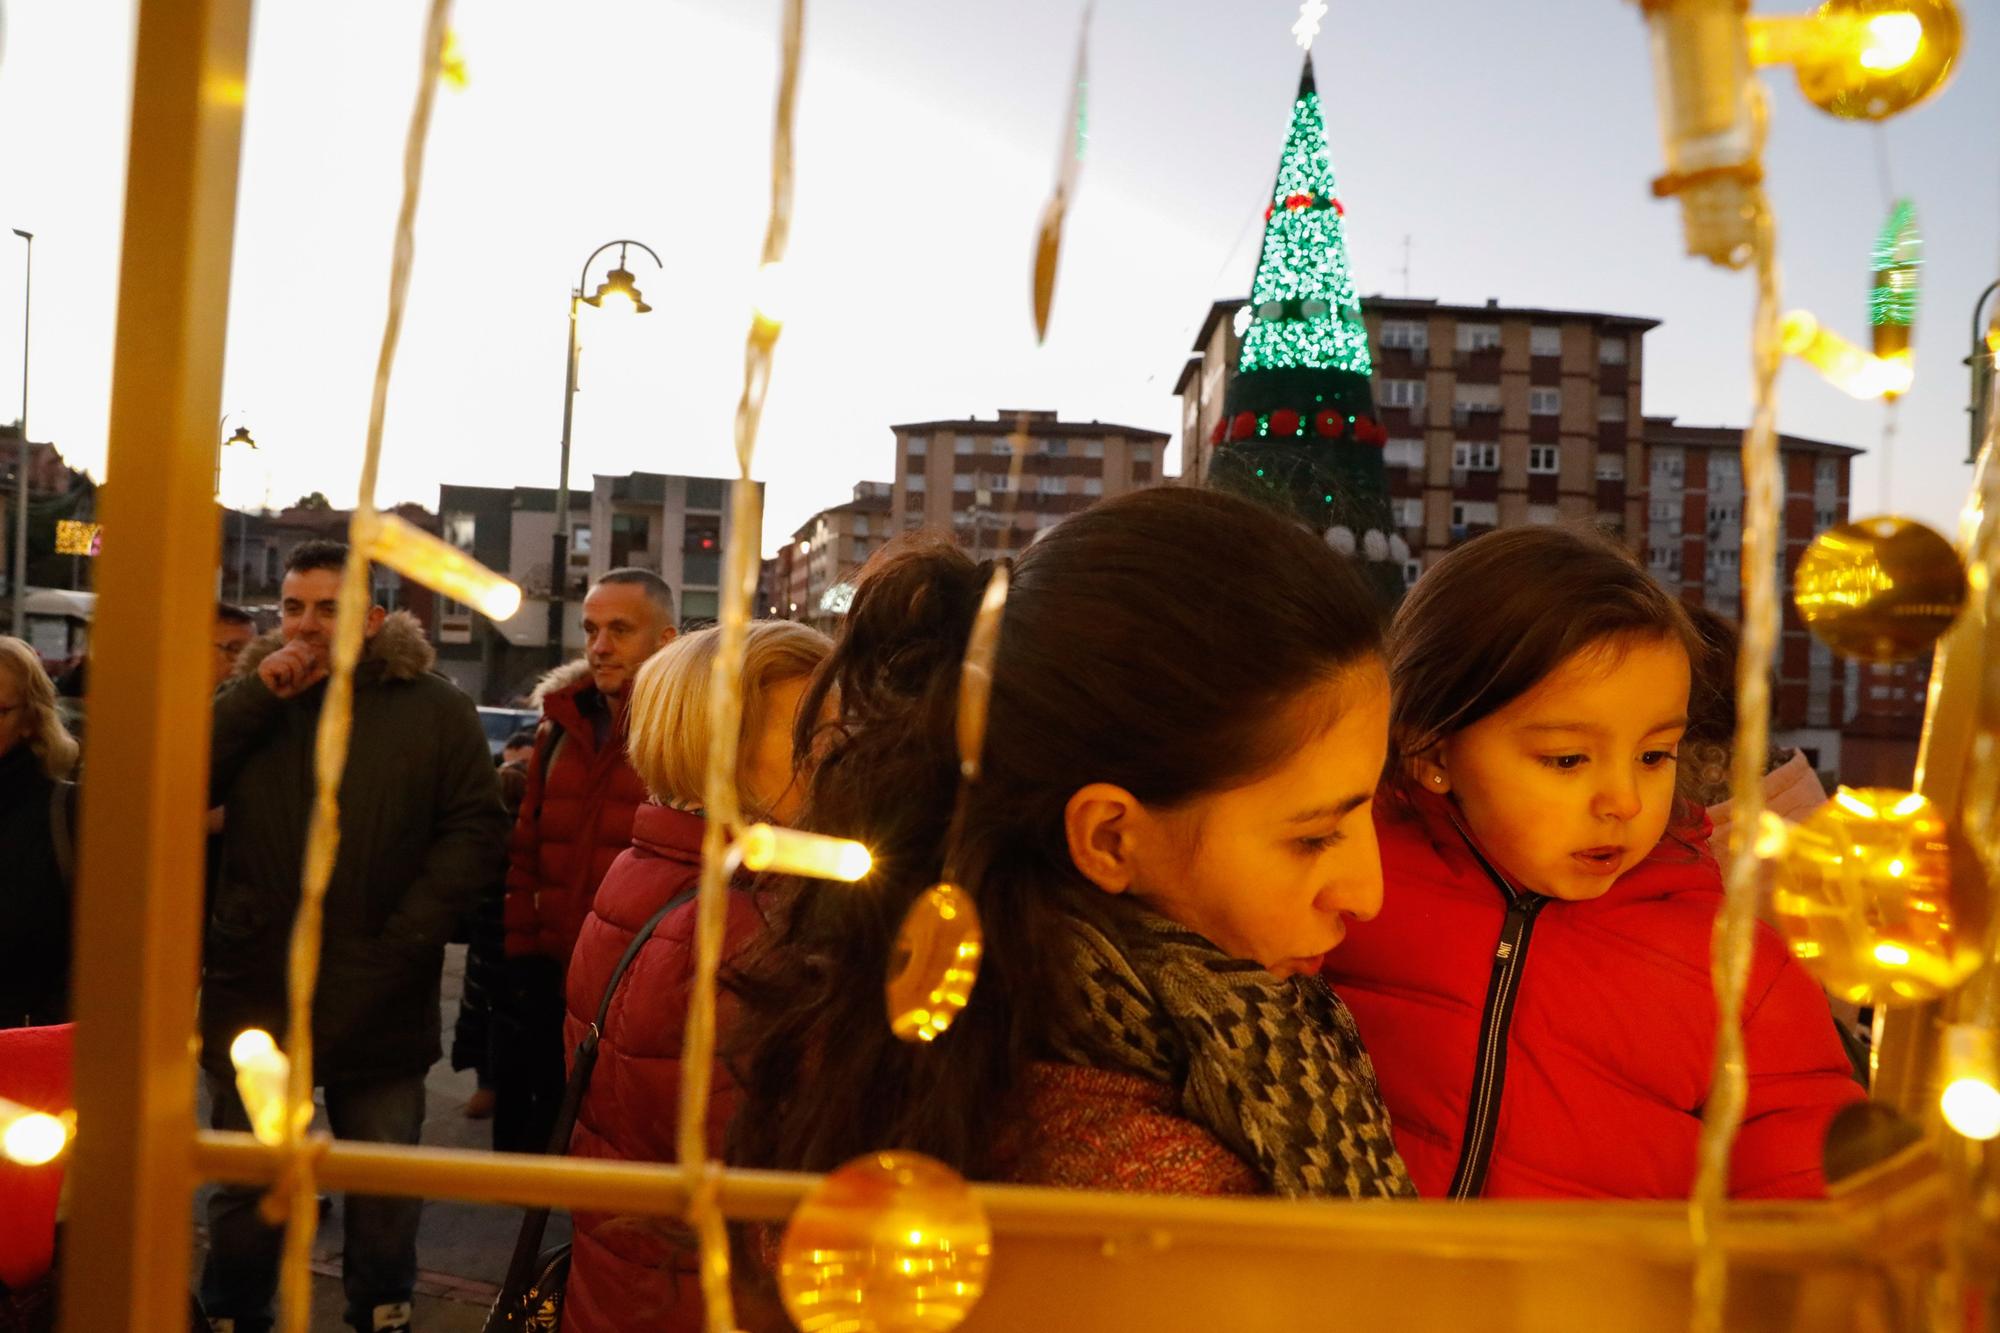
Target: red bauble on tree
<point x="1284" y="422"/>
<point x="1221" y="425"/>
<point x="1329" y="423"/>
<point x="1370" y="431"/>
<point x="1243" y="425"/>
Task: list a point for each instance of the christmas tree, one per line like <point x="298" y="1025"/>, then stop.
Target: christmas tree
<point x="1298" y="429"/>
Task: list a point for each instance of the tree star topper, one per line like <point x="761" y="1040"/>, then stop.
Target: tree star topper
<point x="1307" y="28"/>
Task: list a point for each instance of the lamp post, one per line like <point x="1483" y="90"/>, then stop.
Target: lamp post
<point x="1985" y="352"/>
<point x="241" y="435"/>
<point x="617" y="286"/>
<point x="21" y="452"/>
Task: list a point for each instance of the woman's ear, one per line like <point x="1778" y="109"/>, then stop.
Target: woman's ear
<point x="1100" y="822"/>
<point x="1427" y="771"/>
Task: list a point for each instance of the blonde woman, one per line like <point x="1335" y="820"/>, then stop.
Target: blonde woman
<point x="37" y="819"/>
<point x="624" y="1274"/>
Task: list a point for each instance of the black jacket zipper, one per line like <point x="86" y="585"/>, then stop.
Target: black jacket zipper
<point x="1489" y="1073"/>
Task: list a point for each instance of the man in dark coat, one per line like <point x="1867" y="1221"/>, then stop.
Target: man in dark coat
<point x="421" y="831"/>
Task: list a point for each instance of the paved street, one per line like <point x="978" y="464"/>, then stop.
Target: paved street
<point x="462" y="1249"/>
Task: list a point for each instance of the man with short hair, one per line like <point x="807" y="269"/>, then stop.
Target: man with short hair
<point x="576" y="817"/>
<point x="421" y="829"/>
<point x="234" y="628"/>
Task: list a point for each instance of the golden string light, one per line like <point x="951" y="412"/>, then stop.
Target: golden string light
<point x="33" y="1138"/>
<point x="1848" y="368"/>
<point x="719" y="854"/>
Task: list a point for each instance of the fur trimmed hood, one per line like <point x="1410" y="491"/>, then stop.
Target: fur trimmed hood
<point x="558" y="679"/>
<point x="399" y="646"/>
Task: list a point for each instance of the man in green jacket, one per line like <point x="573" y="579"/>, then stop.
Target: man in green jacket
<point x="421" y="832"/>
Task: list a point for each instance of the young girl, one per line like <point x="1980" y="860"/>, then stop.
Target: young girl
<point x="628" y="1273"/>
<point x="1189" y="716"/>
<point x="1537" y="985"/>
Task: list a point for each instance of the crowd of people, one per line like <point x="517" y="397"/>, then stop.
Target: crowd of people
<point x="1278" y="898"/>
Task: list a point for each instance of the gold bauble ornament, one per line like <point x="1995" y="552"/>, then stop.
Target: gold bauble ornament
<point x="1875" y="898"/>
<point x="1882" y="589"/>
<point x="934" y="963"/>
<point x="893" y="1242"/>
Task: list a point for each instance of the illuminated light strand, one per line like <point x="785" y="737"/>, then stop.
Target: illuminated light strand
<point x="417" y="555"/>
<point x="1840" y="363"/>
<point x="33" y="1138"/>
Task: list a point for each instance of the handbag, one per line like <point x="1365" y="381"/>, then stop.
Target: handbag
<point x="531" y="1297"/>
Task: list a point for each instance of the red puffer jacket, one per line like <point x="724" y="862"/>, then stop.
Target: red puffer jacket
<point x="576" y="817"/>
<point x="1605" y="1065"/>
<point x="628" y="1272"/>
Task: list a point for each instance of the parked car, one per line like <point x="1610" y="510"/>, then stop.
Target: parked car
<point x="500" y="723"/>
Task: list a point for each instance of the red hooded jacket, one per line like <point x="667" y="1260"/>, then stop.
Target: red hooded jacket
<point x="1604" y="1067"/>
<point x="628" y="1272"/>
<point x="575" y="818"/>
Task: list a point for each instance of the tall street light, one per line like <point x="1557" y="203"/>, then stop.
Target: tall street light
<point x="1985" y="352"/>
<point x="617" y="289"/>
<point x="241" y="435"/>
<point x="21" y="453"/>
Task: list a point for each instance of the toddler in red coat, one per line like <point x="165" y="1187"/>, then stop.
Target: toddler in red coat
<point x="1536" y="988"/>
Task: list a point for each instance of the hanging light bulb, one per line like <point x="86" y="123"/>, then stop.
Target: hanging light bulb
<point x="1970" y="1101"/>
<point x="32" y="1138"/>
<point x="437" y="564"/>
<point x="262" y="1075"/>
<point x="1842" y="364"/>
<point x="893" y="1242"/>
<point x="1881" y="589"/>
<point x="787" y="851"/>
<point x="933" y="963"/>
<point x="1864" y="59"/>
<point x="1867" y="895"/>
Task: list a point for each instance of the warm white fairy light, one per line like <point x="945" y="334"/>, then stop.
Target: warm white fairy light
<point x="1307" y="28"/>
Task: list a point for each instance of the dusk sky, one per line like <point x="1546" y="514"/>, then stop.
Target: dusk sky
<point x="1512" y="144"/>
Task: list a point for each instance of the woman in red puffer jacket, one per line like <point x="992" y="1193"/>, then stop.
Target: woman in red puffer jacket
<point x="630" y="1272"/>
<point x="1536" y="990"/>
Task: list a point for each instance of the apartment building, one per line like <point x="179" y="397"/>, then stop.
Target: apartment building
<point x="962" y="478"/>
<point x="812" y="576"/>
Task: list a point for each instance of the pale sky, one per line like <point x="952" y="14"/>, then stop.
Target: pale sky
<point x="1514" y="152"/>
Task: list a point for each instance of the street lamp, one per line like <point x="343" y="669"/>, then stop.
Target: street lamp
<point x="620" y="292"/>
<point x="241" y="435"/>
<point x="1985" y="352"/>
<point x="21" y="452"/>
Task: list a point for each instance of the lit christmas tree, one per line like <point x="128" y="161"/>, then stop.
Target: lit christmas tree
<point x="1298" y="429"/>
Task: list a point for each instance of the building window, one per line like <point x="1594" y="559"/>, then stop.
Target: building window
<point x="1667" y="466"/>
<point x="1467" y="513"/>
<point x="999" y="482"/>
<point x="459" y="529"/>
<point x="1611" y="407"/>
<point x="1093" y="448"/>
<point x="916" y="483"/>
<point x="1545" y="402"/>
<point x="861" y="526"/>
<point x="1057" y="448"/>
<point x="1402" y="393"/>
<point x="962" y="446"/>
<point x="962" y="483"/>
<point x="1002" y="447"/>
<point x="1053" y="485"/>
<point x="1542" y="514"/>
<point x="1142" y="453"/>
<point x="1611" y="349"/>
<point x="1545" y="458"/>
<point x="1403" y="453"/>
<point x="1412" y="571"/>
<point x="579" y="539"/>
<point x="1093" y="485"/>
<point x="704" y="493"/>
<point x="1478" y="337"/>
<point x="1545" y="340"/>
<point x="1413" y="334"/>
<point x="1468" y="400"/>
<point x="1826" y="472"/>
<point x="1472" y="456"/>
<point x="1823" y="518"/>
<point x="912" y="519"/>
<point x="1409" y="511"/>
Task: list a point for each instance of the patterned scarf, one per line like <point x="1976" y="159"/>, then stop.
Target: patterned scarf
<point x="1272" y="1067"/>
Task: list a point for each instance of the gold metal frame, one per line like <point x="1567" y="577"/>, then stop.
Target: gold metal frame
<point x="1061" y="1260"/>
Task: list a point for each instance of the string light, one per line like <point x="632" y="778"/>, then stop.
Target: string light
<point x="437" y="564"/>
<point x="1842" y="364"/>
<point x="262" y="1073"/>
<point x="32" y="1138"/>
<point x="786" y="851"/>
<point x="1970" y="1101"/>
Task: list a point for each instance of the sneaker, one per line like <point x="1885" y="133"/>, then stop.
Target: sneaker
<point x="393" y="1318"/>
<point x="480" y="1105"/>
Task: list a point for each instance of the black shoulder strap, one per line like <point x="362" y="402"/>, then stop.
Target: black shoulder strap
<point x="62" y="829"/>
<point x="534" y="1225"/>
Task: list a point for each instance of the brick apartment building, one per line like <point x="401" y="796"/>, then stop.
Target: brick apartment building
<point x="1496" y="416"/>
<point x="806" y="580"/>
<point x="956" y="477"/>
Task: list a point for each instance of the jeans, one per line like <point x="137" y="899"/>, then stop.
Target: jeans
<point x="528" y="1077"/>
<point x="379" y="1268"/>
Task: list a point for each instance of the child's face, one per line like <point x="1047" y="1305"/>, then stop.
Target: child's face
<point x="1571" y="785"/>
<point x="1268" y="870"/>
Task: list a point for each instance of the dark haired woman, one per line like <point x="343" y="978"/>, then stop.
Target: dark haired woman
<point x="1189" y="718"/>
<point x="1538" y="986"/>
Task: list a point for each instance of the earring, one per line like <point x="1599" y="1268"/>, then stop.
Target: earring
<point x="1437" y="779"/>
